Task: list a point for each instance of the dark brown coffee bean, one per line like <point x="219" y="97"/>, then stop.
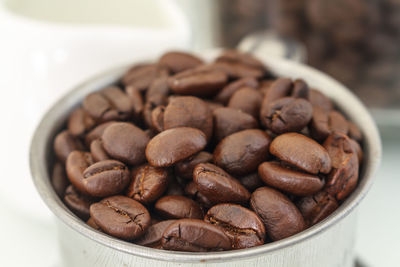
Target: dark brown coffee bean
<point x="354" y="132"/>
<point x="106" y="178"/>
<point x="136" y="101"/>
<point x="247" y="100"/>
<point x="194" y="236"/>
<point x="251" y="181"/>
<point x="265" y="86"/>
<point x="226" y="93"/>
<point x="317" y="207"/>
<point x="188" y="111"/>
<point x="287" y="114"/>
<point x="324" y="123"/>
<point x="79" y="204"/>
<point x="97" y="151"/>
<point x="178" y="207"/>
<point x="64" y="144"/>
<point x="217" y="185"/>
<point x="148" y="183"/>
<point x="236" y="70"/>
<point x="157" y="119"/>
<point x="125" y="142"/>
<point x="92" y="224"/>
<point x="213" y="105"/>
<point x="80" y="122"/>
<point x="320" y="100"/>
<point x="96" y="133"/>
<point x="59" y="179"/>
<point x="121" y="217"/>
<point x="342" y="180"/>
<point x="229" y="120"/>
<point x="108" y="104"/>
<point x="279" y="88"/>
<point x="185" y="168"/>
<point x="76" y="164"/>
<point x="174" y="145"/>
<point x="290" y="181"/>
<point x="240" y="57"/>
<point x="179" y="61"/>
<point x="300" y="89"/>
<point x="192" y="191"/>
<point x="241" y="153"/>
<point x="280" y="216"/>
<point x="301" y="152"/>
<point x="337" y="122"/>
<point x="141" y="76"/>
<point x="242" y="226"/>
<point x="158" y="89"/>
<point x="151" y="104"/>
<point x="152" y="237"/>
<point x="174" y="188"/>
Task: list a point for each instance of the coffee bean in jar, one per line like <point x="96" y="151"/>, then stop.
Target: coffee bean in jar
<point x="196" y="156"/>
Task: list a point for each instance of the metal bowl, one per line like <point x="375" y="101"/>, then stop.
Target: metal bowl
<point x="328" y="243"/>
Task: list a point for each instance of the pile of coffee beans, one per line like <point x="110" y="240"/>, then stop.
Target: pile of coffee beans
<point x="193" y="156"/>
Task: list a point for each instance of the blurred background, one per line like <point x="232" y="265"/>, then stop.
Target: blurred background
<point x="49" y="46"/>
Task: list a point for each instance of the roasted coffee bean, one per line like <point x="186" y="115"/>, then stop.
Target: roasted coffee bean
<point x="226" y="93"/>
<point x="194" y="236"/>
<point x="317" y="99"/>
<point x="92" y="224"/>
<point x="59" y="179"/>
<point x="213" y="105"/>
<point x="300" y="89"/>
<point x="217" y="185"/>
<point x="136" y="101"/>
<point x="106" y="178"/>
<point x="80" y="122"/>
<point x="290" y="181"/>
<point x="247" y="100"/>
<point x="251" y="181"/>
<point x="125" y="142"/>
<point x="338" y="123"/>
<point x="79" y="204"/>
<point x="151" y="104"/>
<point x="240" y="57"/>
<point x="192" y="191"/>
<point x="236" y="70"/>
<point x="121" y="217"/>
<point x="302" y="152"/>
<point x="185" y="168"/>
<point x="241" y="153"/>
<point x="142" y="76"/>
<point x="97" y="151"/>
<point x="279" y="88"/>
<point x="174" y="188"/>
<point x="242" y="226"/>
<point x="152" y="237"/>
<point x="265" y="86"/>
<point x="229" y="120"/>
<point x="76" y="164"/>
<point x="179" y="61"/>
<point x="317" y="207"/>
<point x="358" y="150"/>
<point x="108" y="104"/>
<point x="287" y="114"/>
<point x="354" y="132"/>
<point x="174" y="145"/>
<point x="157" y="118"/>
<point x="342" y="180"/>
<point x="280" y="216"/>
<point x="158" y="88"/>
<point x="197" y="82"/>
<point x="188" y="111"/>
<point x="178" y="207"/>
<point x="96" y="133"/>
<point x="64" y="144"/>
<point x="148" y="183"/>
<point x="324" y="123"/>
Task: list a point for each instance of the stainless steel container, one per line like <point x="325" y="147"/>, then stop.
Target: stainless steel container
<point x="329" y="243"/>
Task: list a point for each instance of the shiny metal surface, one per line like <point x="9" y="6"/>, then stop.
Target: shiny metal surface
<point x="312" y="246"/>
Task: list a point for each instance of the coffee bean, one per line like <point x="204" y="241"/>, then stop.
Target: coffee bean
<point x="317" y="207"/>
<point x="179" y="61"/>
<point x="247" y="100"/>
<point x="152" y="237"/>
<point x="217" y="185"/>
<point x="92" y="224"/>
<point x="96" y="133"/>
<point x="280" y="216"/>
<point x="358" y="150"/>
<point x="108" y="104"/>
<point x="194" y="236"/>
<point x="342" y="180"/>
<point x="287" y="114"/>
<point x="80" y="122"/>
<point x="226" y="93"/>
<point x="174" y="188"/>
<point x="192" y="191"/>
<point x="290" y="181"/>
<point x="241" y="153"/>
<point x="278" y="89"/>
<point x="64" y="144"/>
<point x="105" y="178"/>
<point x="125" y="142"/>
<point x="185" y="168"/>
<point x="148" y="183"/>
<point x="236" y="70"/>
<point x="151" y="104"/>
<point x="136" y="101"/>
<point x="301" y="152"/>
<point x="320" y="100"/>
<point x="121" y="217"/>
<point x="300" y="89"/>
<point x="158" y="88"/>
<point x="178" y="207"/>
<point x="354" y="132"/>
<point x="213" y="105"/>
<point x="240" y="57"/>
<point x="197" y="82"/>
<point x="142" y="76"/>
<point x="174" y="145"/>
<point x="338" y="123"/>
<point x="79" y="204"/>
<point x="229" y="120"/>
<point x="242" y="226"/>
<point x="324" y="123"/>
<point x="251" y="181"/>
<point x="59" y="179"/>
<point x="97" y="151"/>
<point x="76" y="164"/>
<point x="157" y="119"/>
